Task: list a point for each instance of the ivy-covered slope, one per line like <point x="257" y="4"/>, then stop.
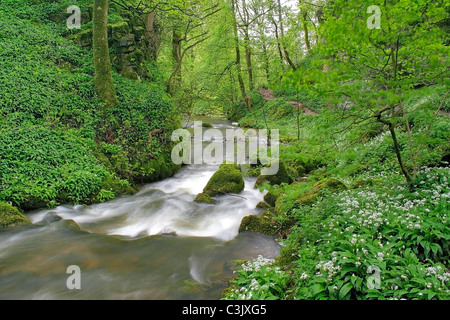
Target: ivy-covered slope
<point x="52" y="147"/>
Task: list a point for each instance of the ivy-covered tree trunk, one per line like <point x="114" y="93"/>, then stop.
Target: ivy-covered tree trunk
<point x="102" y="65"/>
<point x="177" y="57"/>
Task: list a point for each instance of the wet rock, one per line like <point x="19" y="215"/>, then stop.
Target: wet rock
<point x="11" y="216"/>
<point x="204" y="198"/>
<point x="270" y="198"/>
<point x="228" y="179"/>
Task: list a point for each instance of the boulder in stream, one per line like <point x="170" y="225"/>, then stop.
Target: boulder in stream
<point x="228" y="179"/>
<point x="10" y="216"/>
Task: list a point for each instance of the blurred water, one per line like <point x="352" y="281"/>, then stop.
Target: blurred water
<point x="156" y="244"/>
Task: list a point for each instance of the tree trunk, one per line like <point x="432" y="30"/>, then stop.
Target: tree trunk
<point x="305" y="30"/>
<point x="266" y="60"/>
<point x="378" y="116"/>
<point x="247" y="100"/>
<point x="102" y="64"/>
<point x="283" y="45"/>
<point x="248" y="59"/>
<point x="277" y="37"/>
<point x="152" y="36"/>
<point x="175" y="78"/>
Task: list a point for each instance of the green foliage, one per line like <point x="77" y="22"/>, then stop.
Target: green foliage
<point x="39" y="165"/>
<point x="235" y="111"/>
<point x="50" y="151"/>
<point x="335" y="241"/>
<point x="266" y="282"/>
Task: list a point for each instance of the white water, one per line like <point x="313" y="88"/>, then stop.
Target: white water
<point x="144" y="246"/>
<point x="166" y="207"/>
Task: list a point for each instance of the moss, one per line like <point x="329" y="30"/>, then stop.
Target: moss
<point x="157" y="169"/>
<point x="361" y="183"/>
<point x="261" y="224"/>
<point x="10" y="216"/>
<point x="254" y="172"/>
<point x="118" y="30"/>
<point x="206" y="125"/>
<point x="270" y="198"/>
<point x="331" y="184"/>
<point x="204" y="198"/>
<point x="228" y="179"/>
<point x="304" y="166"/>
<point x="191" y="287"/>
<point x="266" y="224"/>
<point x="282" y="175"/>
<point x="263" y="205"/>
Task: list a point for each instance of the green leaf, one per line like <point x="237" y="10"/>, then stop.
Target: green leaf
<point x="345" y="290"/>
<point x="317" y="288"/>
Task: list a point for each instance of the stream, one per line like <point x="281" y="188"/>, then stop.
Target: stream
<point x="156" y="244"/>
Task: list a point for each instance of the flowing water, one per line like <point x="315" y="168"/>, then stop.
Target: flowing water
<point x="156" y="244"/>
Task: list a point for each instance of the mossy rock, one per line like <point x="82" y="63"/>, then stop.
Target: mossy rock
<point x="82" y="38"/>
<point x="266" y="224"/>
<point x="204" y="198"/>
<point x="331" y="184"/>
<point x="282" y="175"/>
<point x="228" y="179"/>
<point x="118" y="30"/>
<point x="68" y="224"/>
<point x="270" y="198"/>
<point x="263" y="205"/>
<point x="306" y="166"/>
<point x="206" y="125"/>
<point x="261" y="224"/>
<point x="156" y="170"/>
<point x="10" y="216"/>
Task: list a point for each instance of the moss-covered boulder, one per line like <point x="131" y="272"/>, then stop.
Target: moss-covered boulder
<point x="204" y="198"/>
<point x="266" y="224"/>
<point x="261" y="224"/>
<point x="282" y="175"/>
<point x="68" y="224"/>
<point x="270" y="198"/>
<point x="331" y="184"/>
<point x="228" y="179"/>
<point x="263" y="205"/>
<point x="10" y="216"/>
